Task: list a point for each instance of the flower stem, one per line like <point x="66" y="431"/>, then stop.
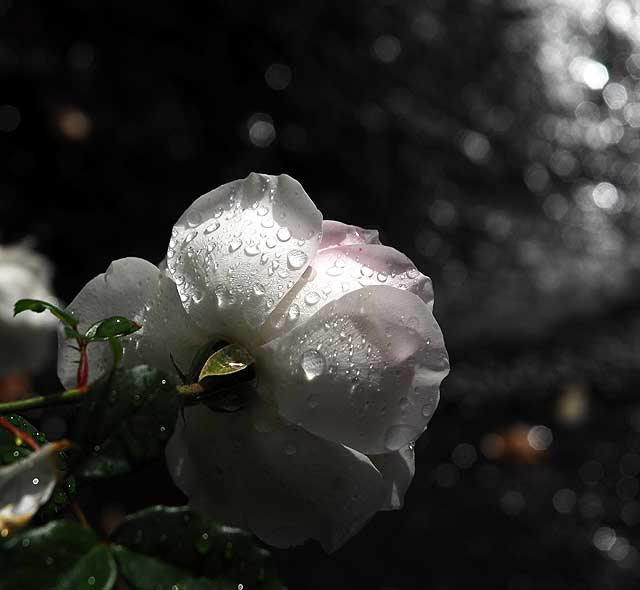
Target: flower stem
<point x="43" y="401"/>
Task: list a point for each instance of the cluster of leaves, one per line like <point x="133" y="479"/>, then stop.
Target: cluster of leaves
<point x="124" y="420"/>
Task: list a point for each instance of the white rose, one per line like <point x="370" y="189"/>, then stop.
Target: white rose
<point x="25" y="341"/>
<point x="347" y="353"/>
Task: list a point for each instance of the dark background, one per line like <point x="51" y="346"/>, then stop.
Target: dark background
<point x="495" y="142"/>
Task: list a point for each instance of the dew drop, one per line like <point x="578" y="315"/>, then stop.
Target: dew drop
<point x="191" y="236"/>
<point x="313" y="364"/>
<point x="267" y="222"/>
<point x="312" y="298"/>
<point x="262" y="211"/>
<point x="294" y="312"/>
<point x="270" y="242"/>
<point x="427" y="410"/>
<point x="251" y="249"/>
<point x="259" y="289"/>
<point x="365" y="271"/>
<point x="284" y="235"/>
<point x="194" y="218"/>
<point x="296" y="259"/>
<point x="382" y="277"/>
<point x="235" y="244"/>
<point x="290" y="449"/>
<point x="213" y="226"/>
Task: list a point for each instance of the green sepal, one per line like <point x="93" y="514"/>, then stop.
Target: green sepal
<point x="125" y="420"/>
<point x="39" y="306"/>
<point x="191" y="548"/>
<point x="60" y="555"/>
<point x="12" y="450"/>
<point x="113" y="327"/>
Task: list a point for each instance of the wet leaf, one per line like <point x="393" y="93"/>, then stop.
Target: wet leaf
<point x="148" y="573"/>
<point x="113" y="327"/>
<point x="181" y="543"/>
<point x="39" y="306"/>
<point x="58" y="556"/>
<point x="125" y="420"/>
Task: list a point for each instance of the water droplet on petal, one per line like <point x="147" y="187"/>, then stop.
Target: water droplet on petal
<point x="213" y="226"/>
<point x="296" y="259"/>
<point x="194" y="218"/>
<point x="262" y="211"/>
<point x="191" y="236"/>
<point x="313" y="364"/>
<point x="251" y="249"/>
<point x="259" y="289"/>
<point x="427" y="410"/>
<point x="284" y="235"/>
<point x="290" y="449"/>
<point x="294" y="312"/>
<point x="312" y="298"/>
<point x="235" y="244"/>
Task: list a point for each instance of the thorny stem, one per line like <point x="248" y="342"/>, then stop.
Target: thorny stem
<point x="187" y="392"/>
<point x="4" y="423"/>
<point x="42" y="401"/>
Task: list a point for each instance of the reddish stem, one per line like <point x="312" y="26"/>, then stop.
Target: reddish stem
<point x="4" y="423"/>
<point x="83" y="367"/>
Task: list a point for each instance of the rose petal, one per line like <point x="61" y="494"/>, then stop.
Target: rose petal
<point x="364" y="371"/>
<point x="336" y="233"/>
<point x="139" y="291"/>
<point x="27" y="484"/>
<point x="397" y="469"/>
<point x="288" y="484"/>
<point x="339" y="270"/>
<point x="236" y="251"/>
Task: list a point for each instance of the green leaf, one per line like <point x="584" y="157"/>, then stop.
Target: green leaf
<point x="229" y="359"/>
<point x="149" y="573"/>
<point x="125" y="420"/>
<point x="113" y="327"/>
<point x="13" y="449"/>
<point x="40" y="306"/>
<point x="58" y="556"/>
<point x="190" y="549"/>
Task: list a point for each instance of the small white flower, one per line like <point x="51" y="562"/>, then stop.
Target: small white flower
<point x="24" y="340"/>
<point x="349" y="359"/>
<point x="26" y="485"/>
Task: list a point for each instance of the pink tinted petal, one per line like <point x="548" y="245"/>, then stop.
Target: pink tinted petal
<point x="336" y="233"/>
<point x="339" y="270"/>
<point x="364" y="371"/>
